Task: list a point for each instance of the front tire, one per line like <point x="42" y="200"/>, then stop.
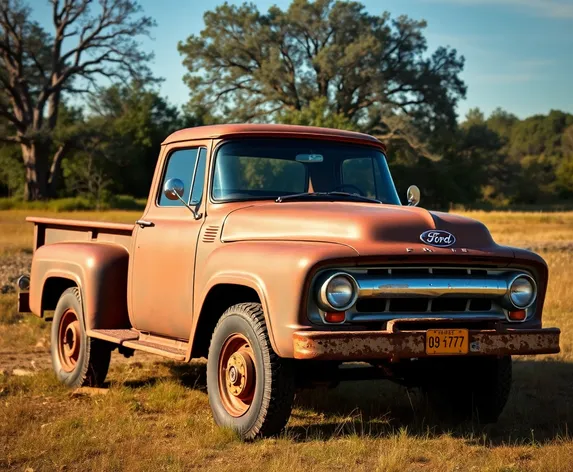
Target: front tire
<point x="251" y="389"/>
<point x="77" y="359"/>
<point x="465" y="389"/>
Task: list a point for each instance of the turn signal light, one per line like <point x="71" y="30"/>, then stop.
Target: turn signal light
<point x="335" y="316"/>
<point x="518" y="315"/>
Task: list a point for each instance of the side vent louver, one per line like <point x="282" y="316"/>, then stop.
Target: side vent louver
<point x="210" y="234"/>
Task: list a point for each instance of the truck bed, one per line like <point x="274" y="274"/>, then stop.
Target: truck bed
<point x="53" y="230"/>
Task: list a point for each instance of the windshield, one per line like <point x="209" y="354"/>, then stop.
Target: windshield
<point x="256" y="168"/>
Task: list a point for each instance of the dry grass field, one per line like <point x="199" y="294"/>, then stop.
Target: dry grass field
<point x="155" y="414"/>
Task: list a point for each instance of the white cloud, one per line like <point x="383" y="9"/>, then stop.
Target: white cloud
<point x="547" y="8"/>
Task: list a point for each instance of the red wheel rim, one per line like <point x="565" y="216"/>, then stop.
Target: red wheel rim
<point x="237" y="375"/>
<point x="69" y="340"/>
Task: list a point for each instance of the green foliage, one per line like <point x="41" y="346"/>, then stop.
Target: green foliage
<point x="317" y="113"/>
<point x="12" y="171"/>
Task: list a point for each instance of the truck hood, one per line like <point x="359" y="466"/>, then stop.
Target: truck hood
<point x="370" y="229"/>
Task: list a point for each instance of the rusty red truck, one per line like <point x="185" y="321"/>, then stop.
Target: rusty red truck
<point x="281" y="253"/>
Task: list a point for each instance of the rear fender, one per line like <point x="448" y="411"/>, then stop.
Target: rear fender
<point x="98" y="269"/>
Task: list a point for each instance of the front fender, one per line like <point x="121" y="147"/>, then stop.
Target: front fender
<point x="277" y="271"/>
<point x="98" y="269"/>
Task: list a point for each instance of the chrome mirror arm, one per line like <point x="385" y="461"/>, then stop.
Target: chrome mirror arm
<point x="196" y="215"/>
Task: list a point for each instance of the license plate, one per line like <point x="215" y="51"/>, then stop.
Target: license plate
<point x="447" y="341"/>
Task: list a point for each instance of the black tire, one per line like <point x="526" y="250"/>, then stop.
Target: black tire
<point x="273" y="394"/>
<point x="90" y="365"/>
<point x="469" y="389"/>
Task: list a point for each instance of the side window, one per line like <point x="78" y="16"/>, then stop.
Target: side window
<point x="180" y="165"/>
<point x="360" y="172"/>
<point x="199" y="178"/>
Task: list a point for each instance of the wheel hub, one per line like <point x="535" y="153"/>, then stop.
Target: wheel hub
<point x="237" y="375"/>
<point x="69" y="340"/>
<point x="240" y="374"/>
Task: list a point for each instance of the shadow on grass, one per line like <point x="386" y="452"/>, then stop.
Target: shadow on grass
<point x="192" y="375"/>
<point x="540" y="409"/>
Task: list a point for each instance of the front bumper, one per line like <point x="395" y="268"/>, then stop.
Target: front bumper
<point x="394" y="345"/>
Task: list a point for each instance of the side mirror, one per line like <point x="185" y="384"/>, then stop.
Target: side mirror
<point x="413" y="195"/>
<point x="174" y="189"/>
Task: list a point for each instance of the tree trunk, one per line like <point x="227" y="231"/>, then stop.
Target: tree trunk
<point x="36" y="159"/>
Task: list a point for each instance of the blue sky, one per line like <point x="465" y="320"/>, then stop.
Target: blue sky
<point x="519" y="53"/>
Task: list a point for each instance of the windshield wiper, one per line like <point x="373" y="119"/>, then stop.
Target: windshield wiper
<point x="327" y="196"/>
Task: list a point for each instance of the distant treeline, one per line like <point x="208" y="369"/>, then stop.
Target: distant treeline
<point x="495" y="162"/>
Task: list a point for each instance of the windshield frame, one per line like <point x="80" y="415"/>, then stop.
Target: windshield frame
<point x="217" y="148"/>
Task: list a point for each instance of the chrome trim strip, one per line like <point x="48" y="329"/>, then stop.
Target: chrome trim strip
<point x="359" y="317"/>
<point x="431" y="286"/>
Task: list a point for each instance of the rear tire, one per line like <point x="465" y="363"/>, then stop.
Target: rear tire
<point x="251" y="389"/>
<point x="77" y="359"/>
<point x="465" y="389"/>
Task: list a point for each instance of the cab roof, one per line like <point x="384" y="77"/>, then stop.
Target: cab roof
<point x="270" y="131"/>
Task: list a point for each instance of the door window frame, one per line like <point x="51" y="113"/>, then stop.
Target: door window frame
<point x="159" y="191"/>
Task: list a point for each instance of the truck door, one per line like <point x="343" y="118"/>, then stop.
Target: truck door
<point x="163" y="259"/>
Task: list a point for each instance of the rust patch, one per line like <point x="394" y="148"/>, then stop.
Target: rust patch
<point x="354" y="345"/>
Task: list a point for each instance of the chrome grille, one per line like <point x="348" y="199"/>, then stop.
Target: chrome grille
<point x="389" y="293"/>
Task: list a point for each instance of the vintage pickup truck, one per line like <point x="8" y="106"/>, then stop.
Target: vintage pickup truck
<point x="283" y="255"/>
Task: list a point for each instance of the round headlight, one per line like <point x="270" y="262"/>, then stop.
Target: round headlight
<point x="338" y="292"/>
<point x="522" y="291"/>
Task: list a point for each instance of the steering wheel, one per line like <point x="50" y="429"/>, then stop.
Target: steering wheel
<point x="341" y="188"/>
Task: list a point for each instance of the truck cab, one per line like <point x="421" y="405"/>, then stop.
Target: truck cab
<point x="280" y="253"/>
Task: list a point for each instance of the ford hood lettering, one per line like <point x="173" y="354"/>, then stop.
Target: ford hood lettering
<point x="438" y="238"/>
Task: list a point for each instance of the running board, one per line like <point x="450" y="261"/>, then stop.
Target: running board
<point x="172" y="352"/>
<point x="117" y="336"/>
<point x="133" y="339"/>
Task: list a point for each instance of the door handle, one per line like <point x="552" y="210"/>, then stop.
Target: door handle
<point x="144" y="224"/>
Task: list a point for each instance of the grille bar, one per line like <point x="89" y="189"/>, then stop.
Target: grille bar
<point x="422" y="305"/>
<point x="430" y="286"/>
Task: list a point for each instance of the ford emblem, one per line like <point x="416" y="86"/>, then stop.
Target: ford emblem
<point x="438" y="238"/>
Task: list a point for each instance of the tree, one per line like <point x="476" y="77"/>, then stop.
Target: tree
<point x="502" y="122"/>
<point x="38" y="67"/>
<point x="564" y="171"/>
<point x="372" y="70"/>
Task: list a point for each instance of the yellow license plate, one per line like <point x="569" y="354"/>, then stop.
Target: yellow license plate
<point x="447" y="341"/>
